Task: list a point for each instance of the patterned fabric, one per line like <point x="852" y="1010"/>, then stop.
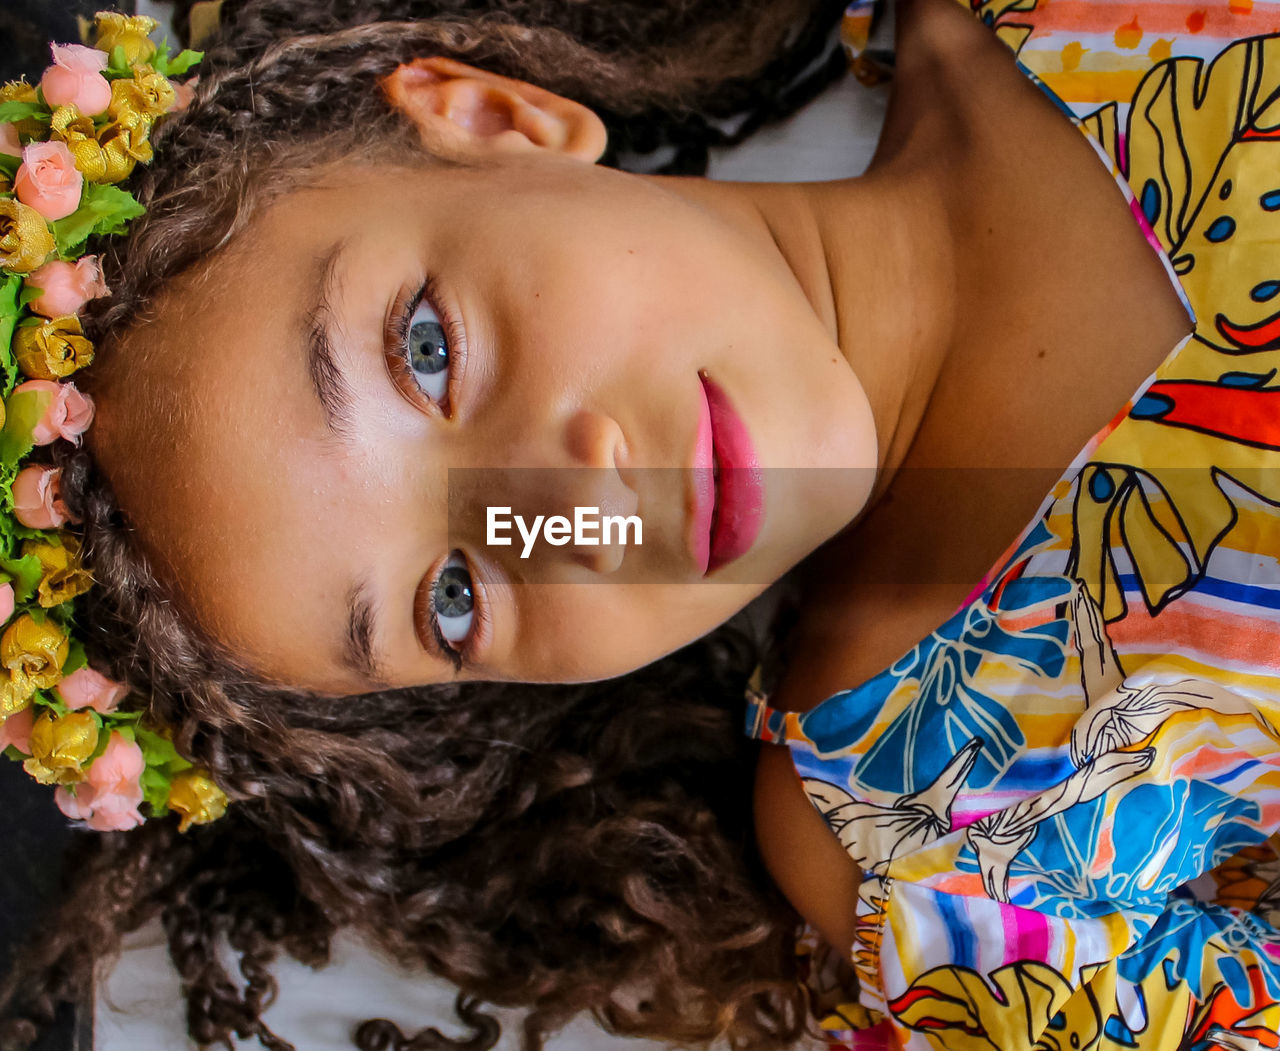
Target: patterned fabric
<point x="1065" y="800"/>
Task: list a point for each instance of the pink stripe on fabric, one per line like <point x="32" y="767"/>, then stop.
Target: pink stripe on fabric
<point x="1026" y="934"/>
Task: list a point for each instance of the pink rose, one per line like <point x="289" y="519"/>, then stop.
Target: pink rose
<point x="16" y="730"/>
<point x="109" y="798"/>
<point x="48" y="181"/>
<point x="75" y="79"/>
<point x="183" y="92"/>
<point x="6" y="602"/>
<point x="9" y="141"/>
<point x="67" y="415"/>
<point x="66" y="287"/>
<point x="37" y="502"/>
<point x="87" y="688"/>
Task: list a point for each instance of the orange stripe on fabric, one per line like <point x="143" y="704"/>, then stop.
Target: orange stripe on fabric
<point x="1217" y="20"/>
<point x="1239" y="639"/>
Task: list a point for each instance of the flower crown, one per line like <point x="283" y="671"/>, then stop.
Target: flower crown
<point x="65" y="146"/>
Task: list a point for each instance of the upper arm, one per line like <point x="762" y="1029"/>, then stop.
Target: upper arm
<point x="802" y="855"/>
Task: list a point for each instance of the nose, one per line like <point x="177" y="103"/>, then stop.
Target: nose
<point x="576" y="472"/>
<point x="596" y="442"/>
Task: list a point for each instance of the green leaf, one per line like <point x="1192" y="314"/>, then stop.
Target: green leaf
<point x="76" y="658"/>
<point x="29" y="294"/>
<point x="10" y="287"/>
<point x="9" y="164"/>
<point x="179" y="64"/>
<point x="103" y="210"/>
<point x="155" y="790"/>
<point x="24" y="573"/>
<point x="22" y="412"/>
<point x="118" y="63"/>
<point x="156" y="750"/>
<point x="14" y="111"/>
<point x="44" y="699"/>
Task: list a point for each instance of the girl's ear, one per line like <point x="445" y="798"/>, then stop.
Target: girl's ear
<point x="467" y="113"/>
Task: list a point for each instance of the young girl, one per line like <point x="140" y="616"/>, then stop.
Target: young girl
<point x="381" y="276"/>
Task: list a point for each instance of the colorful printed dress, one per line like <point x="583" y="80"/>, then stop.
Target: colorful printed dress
<point x="1064" y="799"/>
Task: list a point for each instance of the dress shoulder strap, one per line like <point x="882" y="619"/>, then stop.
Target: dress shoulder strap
<point x="763" y="723"/>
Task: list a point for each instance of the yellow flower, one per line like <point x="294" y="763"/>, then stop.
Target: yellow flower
<point x="64" y="575"/>
<point x="69" y="125"/>
<point x="14" y="697"/>
<point x="51" y="350"/>
<point x="18" y="91"/>
<point x="123" y="145"/>
<point x="148" y="95"/>
<point x="196" y="798"/>
<point x="33" y="654"/>
<point x="60" y="746"/>
<point x="128" y="32"/>
<point x="25" y="238"/>
<point x="21" y="91"/>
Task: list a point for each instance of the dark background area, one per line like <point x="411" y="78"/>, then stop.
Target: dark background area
<point x="28" y="26"/>
<point x="34" y="837"/>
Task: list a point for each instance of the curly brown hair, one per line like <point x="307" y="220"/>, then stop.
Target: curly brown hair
<point x="564" y="848"/>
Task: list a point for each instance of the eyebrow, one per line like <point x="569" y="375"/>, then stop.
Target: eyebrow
<point x="336" y="400"/>
<point x="357" y="649"/>
<point x="331" y="386"/>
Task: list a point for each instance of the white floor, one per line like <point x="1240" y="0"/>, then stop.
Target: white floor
<point x="139" y="1008"/>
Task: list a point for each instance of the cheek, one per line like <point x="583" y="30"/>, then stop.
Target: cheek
<point x="602" y="630"/>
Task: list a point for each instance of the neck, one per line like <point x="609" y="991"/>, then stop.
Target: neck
<point x="875" y="258"/>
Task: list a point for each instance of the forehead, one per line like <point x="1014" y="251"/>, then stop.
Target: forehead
<point x="215" y="444"/>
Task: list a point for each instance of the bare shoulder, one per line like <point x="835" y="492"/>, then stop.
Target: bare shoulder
<point x="802" y="855"/>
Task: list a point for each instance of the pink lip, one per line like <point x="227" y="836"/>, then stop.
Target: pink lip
<point x="728" y="509"/>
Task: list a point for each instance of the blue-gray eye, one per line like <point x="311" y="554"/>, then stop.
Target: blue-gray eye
<point x="452" y="602"/>
<point x="427" y="352"/>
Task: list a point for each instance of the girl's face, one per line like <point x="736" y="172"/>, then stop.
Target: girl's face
<point x="320" y="500"/>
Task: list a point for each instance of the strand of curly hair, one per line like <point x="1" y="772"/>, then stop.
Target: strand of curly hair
<point x="607" y="821"/>
<point x="781" y="54"/>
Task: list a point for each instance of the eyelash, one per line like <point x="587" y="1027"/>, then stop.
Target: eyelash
<point x="457" y="656"/>
<point x="430" y="293"/>
<point x="455" y="334"/>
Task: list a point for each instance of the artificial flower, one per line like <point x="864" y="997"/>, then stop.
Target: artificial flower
<point x="109" y="797"/>
<point x="86" y="688"/>
<point x="123" y="146"/>
<point x="48" y="181"/>
<point x="75" y="79"/>
<point x="66" y="287"/>
<point x="10" y="143"/>
<point x="69" y="125"/>
<point x="183" y="92"/>
<point x="34" y="654"/>
<point x="148" y="94"/>
<point x="196" y="798"/>
<point x="16" y="730"/>
<point x="25" y="240"/>
<point x="53" y="349"/>
<point x="60" y="746"/>
<point x="64" y="575"/>
<point x="129" y="32"/>
<point x="37" y="498"/>
<point x="67" y="414"/>
<point x="21" y="91"/>
<point x="6" y="602"/>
